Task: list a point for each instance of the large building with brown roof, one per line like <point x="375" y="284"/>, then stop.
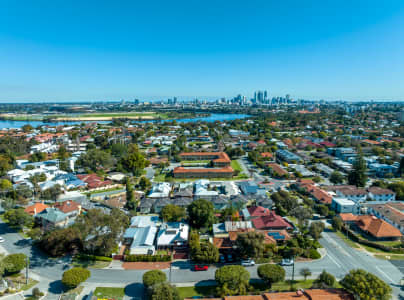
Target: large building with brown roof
<point x="391" y="212"/>
<point x="182" y="172"/>
<point x="219" y="159"/>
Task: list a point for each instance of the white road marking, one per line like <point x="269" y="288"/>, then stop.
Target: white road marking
<point x="387" y="276"/>
<point x="334" y="260"/>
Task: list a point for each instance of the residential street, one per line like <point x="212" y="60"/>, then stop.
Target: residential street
<point x="340" y="258"/>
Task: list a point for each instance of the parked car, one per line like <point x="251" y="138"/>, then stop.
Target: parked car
<point x="248" y="263"/>
<point x="222" y="259"/>
<point x="287" y="262"/>
<point x="200" y="268"/>
<point x="1" y="240"/>
<point x="229" y="258"/>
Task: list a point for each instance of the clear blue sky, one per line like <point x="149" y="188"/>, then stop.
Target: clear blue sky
<point x="103" y="50"/>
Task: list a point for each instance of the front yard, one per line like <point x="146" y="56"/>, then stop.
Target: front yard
<point x="109" y="293"/>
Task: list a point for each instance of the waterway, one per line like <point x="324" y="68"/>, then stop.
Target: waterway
<point x="212" y="118"/>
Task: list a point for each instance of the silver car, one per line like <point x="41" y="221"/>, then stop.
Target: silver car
<point x="248" y="263"/>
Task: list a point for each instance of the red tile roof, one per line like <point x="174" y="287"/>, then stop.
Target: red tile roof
<point x="258" y="211"/>
<point x="67" y="206"/>
<point x="271" y="221"/>
<point x="377" y="227"/>
<point x="35" y="208"/>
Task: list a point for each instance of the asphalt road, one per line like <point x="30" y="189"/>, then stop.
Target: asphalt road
<point x="340" y="258"/>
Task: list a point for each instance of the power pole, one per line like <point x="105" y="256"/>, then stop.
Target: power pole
<point x="26" y="269"/>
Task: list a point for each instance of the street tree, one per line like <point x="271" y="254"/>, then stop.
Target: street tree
<point x="337" y="223"/>
<point x="164" y="291"/>
<point x="18" y="218"/>
<point x="271" y="273"/>
<point x="366" y="286"/>
<point x="14" y="263"/>
<point x="206" y="253"/>
<point x="324" y="280"/>
<point x="305" y="272"/>
<point x="232" y="280"/>
<point x="152" y="277"/>
<point x="73" y="277"/>
<point x="316" y="228"/>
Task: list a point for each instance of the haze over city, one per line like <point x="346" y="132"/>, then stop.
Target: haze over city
<point x="97" y="50"/>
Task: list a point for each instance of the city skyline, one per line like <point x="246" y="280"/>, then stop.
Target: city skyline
<point x="99" y="51"/>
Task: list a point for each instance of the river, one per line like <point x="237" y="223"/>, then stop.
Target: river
<point x="212" y="118"/>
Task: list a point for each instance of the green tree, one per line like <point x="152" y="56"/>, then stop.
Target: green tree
<point x="206" y="253"/>
<point x="366" y="286"/>
<point x="337" y="223"/>
<point x="316" y="228"/>
<point x="201" y="213"/>
<point x="172" y="213"/>
<point x="305" y="272"/>
<point x="251" y="244"/>
<point x="324" y="280"/>
<point x="152" y="277"/>
<point x="358" y="176"/>
<point x="51" y="193"/>
<point x="271" y="273"/>
<point x="130" y="198"/>
<point x="5" y="185"/>
<point x="164" y="291"/>
<point x="232" y="280"/>
<point x="302" y="214"/>
<point x="144" y="183"/>
<point x="96" y="159"/>
<point x="134" y="161"/>
<point x="73" y="277"/>
<point x="14" y="263"/>
<point x="323" y="209"/>
<point x="18" y="218"/>
<point x="336" y="177"/>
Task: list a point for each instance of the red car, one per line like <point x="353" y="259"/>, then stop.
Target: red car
<point x="200" y="268"/>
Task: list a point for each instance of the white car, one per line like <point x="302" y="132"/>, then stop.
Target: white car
<point x="248" y="263"/>
<point x="287" y="262"/>
<point x="1" y="240"/>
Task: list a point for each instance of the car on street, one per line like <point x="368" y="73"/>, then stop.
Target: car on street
<point x="200" y="268"/>
<point x="248" y="263"/>
<point x="1" y="239"/>
<point x="287" y="262"/>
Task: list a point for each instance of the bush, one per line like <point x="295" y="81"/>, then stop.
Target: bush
<point x="153" y="277"/>
<point x="147" y="258"/>
<point x="36" y="293"/>
<point x="15" y="263"/>
<point x="93" y="257"/>
<point x="312" y="253"/>
<point x="271" y="273"/>
<point x="73" y="277"/>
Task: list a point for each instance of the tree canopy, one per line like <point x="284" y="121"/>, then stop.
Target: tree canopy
<point x="271" y="273"/>
<point x="251" y="244"/>
<point x="201" y="213"/>
<point x="366" y="286"/>
<point x="232" y="280"/>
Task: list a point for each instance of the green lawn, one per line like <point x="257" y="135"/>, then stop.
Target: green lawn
<point x="109" y="293"/>
<point x="390" y="256"/>
<point x="192" y="291"/>
<point x="347" y="240"/>
<point x="93" y="264"/>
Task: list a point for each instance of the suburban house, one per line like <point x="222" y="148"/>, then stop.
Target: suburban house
<point x="70" y="208"/>
<point x="391" y="212"/>
<point x="95" y="182"/>
<point x="271" y="222"/>
<point x="353" y="193"/>
<point x="253" y="212"/>
<point x="377" y="229"/>
<point x="172" y="235"/>
<point x="344" y="205"/>
<point x="51" y="218"/>
<point x="35" y="209"/>
<point x="379" y="194"/>
<point x="140" y="239"/>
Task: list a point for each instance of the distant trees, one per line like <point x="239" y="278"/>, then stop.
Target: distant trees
<point x="96" y="159"/>
<point x="302" y="214"/>
<point x="366" y="286"/>
<point x="201" y="213"/>
<point x="51" y="193"/>
<point x="172" y="213"/>
<point x="130" y="198"/>
<point x="271" y="273"/>
<point x="232" y="280"/>
<point x="144" y="183"/>
<point x="251" y="244"/>
<point x="284" y="202"/>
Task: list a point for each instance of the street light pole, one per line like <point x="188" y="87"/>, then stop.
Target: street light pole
<point x="26" y="269"/>
<point x="293" y="272"/>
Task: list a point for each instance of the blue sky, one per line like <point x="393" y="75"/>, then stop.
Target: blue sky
<point x="108" y="50"/>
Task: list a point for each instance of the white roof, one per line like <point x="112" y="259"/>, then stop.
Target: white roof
<point x="343" y="201"/>
<point x="144" y="221"/>
<point x="172" y="232"/>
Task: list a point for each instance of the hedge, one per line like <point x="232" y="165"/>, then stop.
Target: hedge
<point x="73" y="277"/>
<point x="146" y="258"/>
<point x="93" y="257"/>
<point x="365" y="242"/>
